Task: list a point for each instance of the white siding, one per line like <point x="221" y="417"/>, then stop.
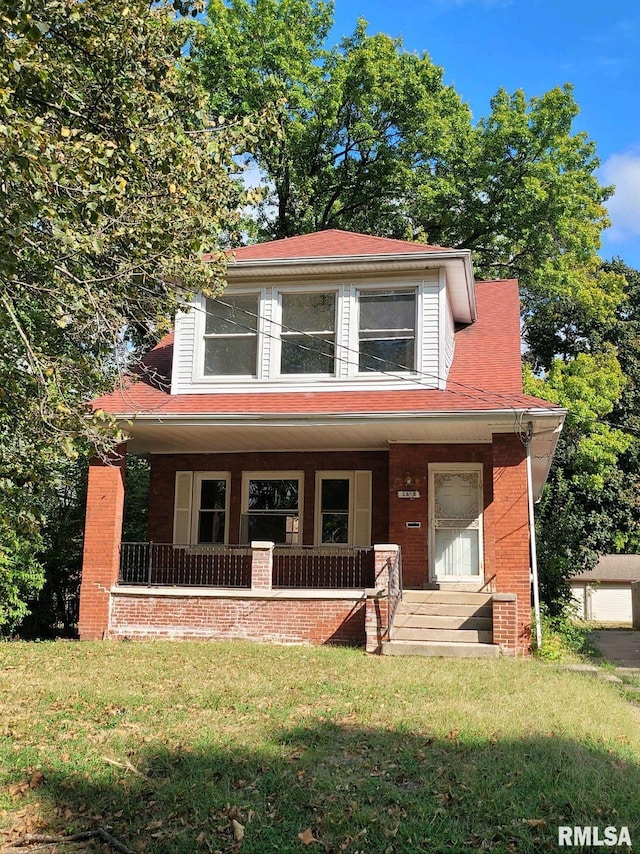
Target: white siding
<point x="449" y="338"/>
<point x="429" y="329"/>
<point x="579" y="598"/>
<point x="184" y="348"/>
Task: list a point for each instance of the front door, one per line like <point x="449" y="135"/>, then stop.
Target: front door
<point x="455" y="502"/>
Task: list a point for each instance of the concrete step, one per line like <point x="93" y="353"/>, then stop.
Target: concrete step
<point x="448" y="635"/>
<point x="446" y="597"/>
<point x="435" y="621"/>
<point x="441" y="649"/>
<point x="437" y="609"/>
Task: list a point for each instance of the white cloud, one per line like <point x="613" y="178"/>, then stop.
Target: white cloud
<point x="623" y="170"/>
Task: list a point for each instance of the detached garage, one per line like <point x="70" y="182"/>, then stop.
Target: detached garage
<point x="603" y="594"/>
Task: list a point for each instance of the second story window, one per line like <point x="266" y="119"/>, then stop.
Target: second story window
<point x="308" y="333"/>
<point x="387" y="331"/>
<point x="231" y="335"/>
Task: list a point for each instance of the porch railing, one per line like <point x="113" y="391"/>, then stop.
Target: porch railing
<point x="190" y="566"/>
<point x="293" y="567"/>
<point x="317" y="567"/>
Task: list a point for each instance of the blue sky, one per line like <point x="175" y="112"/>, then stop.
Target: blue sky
<point x="536" y="45"/>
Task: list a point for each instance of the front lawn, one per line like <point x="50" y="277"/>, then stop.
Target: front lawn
<point x="249" y="748"/>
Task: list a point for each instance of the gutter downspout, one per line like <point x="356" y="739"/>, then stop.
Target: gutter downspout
<point x="532" y="541"/>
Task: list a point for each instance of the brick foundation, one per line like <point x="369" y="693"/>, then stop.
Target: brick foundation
<point x="150" y="616"/>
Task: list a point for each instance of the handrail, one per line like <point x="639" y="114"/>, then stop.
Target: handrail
<point x="394" y="590"/>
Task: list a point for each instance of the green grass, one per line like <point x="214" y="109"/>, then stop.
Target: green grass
<point x="371" y="754"/>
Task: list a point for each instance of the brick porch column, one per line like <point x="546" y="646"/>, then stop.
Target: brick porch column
<point x="505" y="625"/>
<point x="510" y="513"/>
<point x="102" y="538"/>
<point x="261" y="565"/>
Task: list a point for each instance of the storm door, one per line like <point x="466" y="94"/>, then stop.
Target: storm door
<point x="456" y="522"/>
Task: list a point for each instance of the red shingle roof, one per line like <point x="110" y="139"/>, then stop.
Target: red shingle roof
<point x="485" y="375"/>
<point x="332" y="243"/>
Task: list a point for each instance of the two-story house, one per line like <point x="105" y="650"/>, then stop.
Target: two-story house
<point x="340" y="450"/>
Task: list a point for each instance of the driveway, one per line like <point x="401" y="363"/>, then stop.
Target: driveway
<point x="620" y="647"/>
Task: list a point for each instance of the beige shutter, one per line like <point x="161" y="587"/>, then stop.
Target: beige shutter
<point x="182" y="508"/>
<point x="362" y="508"/>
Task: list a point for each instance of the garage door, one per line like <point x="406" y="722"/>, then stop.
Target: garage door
<point x="611" y="603"/>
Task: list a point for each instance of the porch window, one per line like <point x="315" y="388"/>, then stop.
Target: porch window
<point x="334" y="510"/>
<point x="308" y="333"/>
<point x="201" y="508"/>
<point x="272" y="507"/>
<point x="231" y="335"/>
<point x="212" y="509"/>
<point x="387" y="330"/>
<point x="343" y="508"/>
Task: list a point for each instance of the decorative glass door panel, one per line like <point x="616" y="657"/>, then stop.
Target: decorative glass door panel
<point x="457" y="524"/>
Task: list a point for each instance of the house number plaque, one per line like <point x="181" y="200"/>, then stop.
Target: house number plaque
<point x="408" y="493"/>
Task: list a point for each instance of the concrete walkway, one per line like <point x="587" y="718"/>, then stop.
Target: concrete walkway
<point x="622" y="648"/>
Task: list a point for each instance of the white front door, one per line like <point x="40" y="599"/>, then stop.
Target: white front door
<point x="456" y="522"/>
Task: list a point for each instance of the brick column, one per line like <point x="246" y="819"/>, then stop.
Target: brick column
<point x="505" y="622"/>
<point x="261" y="565"/>
<point x="102" y="538"/>
<point x="510" y="515"/>
<point x="377" y="607"/>
<point x="384" y="556"/>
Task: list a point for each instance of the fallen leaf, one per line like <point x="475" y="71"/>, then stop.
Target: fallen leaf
<point x="535" y="822"/>
<point x="307" y="837"/>
<point x="238" y="830"/>
<point x="36" y="779"/>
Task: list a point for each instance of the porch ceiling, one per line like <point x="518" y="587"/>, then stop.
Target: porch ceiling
<point x="175" y="435"/>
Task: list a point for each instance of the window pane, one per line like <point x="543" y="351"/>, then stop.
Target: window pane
<point x="273" y="494"/>
<point x="387" y="310"/>
<point x="303" y="355"/>
<point x="335" y="527"/>
<point x="211" y="527"/>
<point x="231" y="356"/>
<point x="335" y="494"/>
<point x="212" y="494"/>
<point x="278" y="528"/>
<point x="309" y="312"/>
<point x="238" y="314"/>
<point x="396" y="354"/>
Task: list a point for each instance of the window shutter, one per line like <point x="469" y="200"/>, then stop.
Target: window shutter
<point x="362" y="509"/>
<point x="182" y="508"/>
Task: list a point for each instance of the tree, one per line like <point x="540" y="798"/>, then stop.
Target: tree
<point x="355" y="121"/>
<point x="371" y="139"/>
<point x="113" y="183"/>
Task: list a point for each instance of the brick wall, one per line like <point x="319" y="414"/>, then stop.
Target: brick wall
<point x="103" y="527"/>
<point x="314" y="621"/>
<point x="509" y="521"/>
<point x="165" y="466"/>
<point x="414" y="460"/>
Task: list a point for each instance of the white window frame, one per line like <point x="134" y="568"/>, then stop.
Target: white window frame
<point x="193" y="509"/>
<point x="455" y="468"/>
<point x="201" y="336"/>
<point x="276" y="345"/>
<point x="198" y="477"/>
<point x="395" y="286"/>
<point x="333" y="475"/>
<point x="275" y="475"/>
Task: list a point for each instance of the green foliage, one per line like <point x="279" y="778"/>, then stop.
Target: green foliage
<point x="115" y="181"/>
<point x="563" y="635"/>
